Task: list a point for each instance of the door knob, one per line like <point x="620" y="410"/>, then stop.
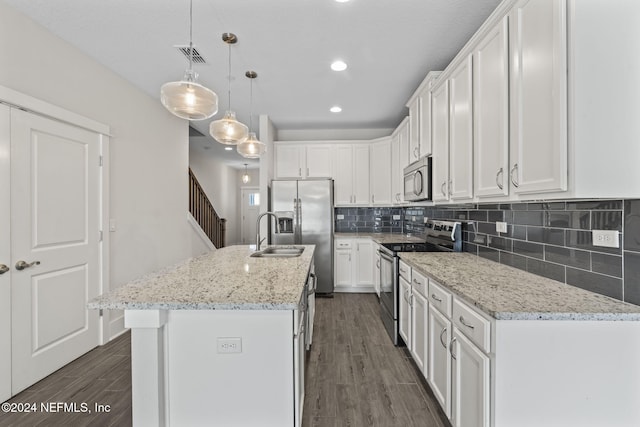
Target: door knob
<point x="21" y="265"/>
<point x="3" y="268"/>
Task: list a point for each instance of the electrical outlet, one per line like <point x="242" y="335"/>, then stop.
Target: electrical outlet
<point x="501" y="227"/>
<point x="396" y="217"/>
<point x="339" y="216"/>
<point x="607" y="238"/>
<point x="229" y="345"/>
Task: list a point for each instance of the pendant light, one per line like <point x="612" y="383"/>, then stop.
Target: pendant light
<point x="228" y="130"/>
<point x="186" y="98"/>
<point x="245" y="177"/>
<point x="252" y="148"/>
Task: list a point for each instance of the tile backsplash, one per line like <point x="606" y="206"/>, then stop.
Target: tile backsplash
<point x="551" y="239"/>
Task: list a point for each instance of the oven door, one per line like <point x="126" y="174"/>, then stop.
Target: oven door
<point x="388" y="293"/>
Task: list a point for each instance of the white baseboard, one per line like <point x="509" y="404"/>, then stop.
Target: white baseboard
<point x="116" y="324"/>
<point x="355" y="289"/>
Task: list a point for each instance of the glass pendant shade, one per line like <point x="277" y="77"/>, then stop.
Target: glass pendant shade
<point x="228" y="130"/>
<point x="245" y="176"/>
<point x="252" y="148"/>
<point x="189" y="100"/>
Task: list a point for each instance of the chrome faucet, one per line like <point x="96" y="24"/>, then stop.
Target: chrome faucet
<point x="258" y="241"/>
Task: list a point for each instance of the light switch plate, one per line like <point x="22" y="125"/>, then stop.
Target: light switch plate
<point x="229" y="345"/>
<point x="606" y="238"/>
<point x="501" y="227"/>
<point x="339" y="216"/>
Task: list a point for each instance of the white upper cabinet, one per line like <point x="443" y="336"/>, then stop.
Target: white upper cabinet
<point x="289" y="160"/>
<point x="420" y="119"/>
<point x="308" y="160"/>
<point x="414" y="129"/>
<point x="361" y="171"/>
<point x="538" y="87"/>
<point x="319" y="161"/>
<point x="351" y="177"/>
<point x="461" y="131"/>
<point x="491" y="113"/>
<point x="440" y="142"/>
<point x="381" y="172"/>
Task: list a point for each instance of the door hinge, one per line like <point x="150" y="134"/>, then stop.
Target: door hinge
<point x="100" y="160"/>
<point x="100" y="236"/>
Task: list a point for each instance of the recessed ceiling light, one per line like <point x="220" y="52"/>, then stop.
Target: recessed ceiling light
<point x="341" y="1"/>
<point x="335" y="109"/>
<point x="338" y="66"/>
<point x="228" y="148"/>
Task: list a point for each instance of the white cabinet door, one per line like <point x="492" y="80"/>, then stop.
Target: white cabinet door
<point x="376" y="268"/>
<point x="343" y="177"/>
<point x="419" y="330"/>
<point x="538" y="90"/>
<point x="424" y="143"/>
<point x="364" y="262"/>
<point x="298" y="366"/>
<point x="288" y="160"/>
<point x="440" y="142"/>
<point x="343" y="274"/>
<point x="397" y="192"/>
<point x="403" y="134"/>
<point x="491" y="113"/>
<point x="439" y="361"/>
<point x="319" y="160"/>
<point x="470" y="384"/>
<point x="361" y="174"/>
<point x="381" y="172"/>
<point x="404" y="316"/>
<point x="414" y="129"/>
<point x="461" y="131"/>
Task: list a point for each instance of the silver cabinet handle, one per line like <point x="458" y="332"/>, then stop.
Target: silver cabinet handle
<point x="442" y="190"/>
<point x="514" y="169"/>
<point x="373" y="198"/>
<point x="444" y="344"/>
<point x="466" y="324"/>
<point x="411" y="300"/>
<point x="378" y="264"/>
<point x="416" y="281"/>
<point x="403" y="271"/>
<point x="3" y="268"/>
<point x="299" y="171"/>
<point x="21" y="265"/>
<point x="415" y="152"/>
<point x="453" y="340"/>
<point x="405" y="296"/>
<point x="436" y="298"/>
<point x="498" y="183"/>
<point x="307" y="172"/>
<point x="450" y="187"/>
<point x="349" y="257"/>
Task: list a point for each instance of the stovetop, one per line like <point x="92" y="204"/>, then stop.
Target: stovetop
<point x="441" y="236"/>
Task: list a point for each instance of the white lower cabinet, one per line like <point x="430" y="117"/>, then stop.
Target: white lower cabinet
<point x="376" y="268"/>
<point x="354" y="266"/>
<point x="439" y="361"/>
<point x="419" y="324"/>
<point x="469" y="384"/>
<point x="404" y="315"/>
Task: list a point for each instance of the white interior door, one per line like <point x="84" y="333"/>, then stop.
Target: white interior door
<point x="55" y="202"/>
<point x="5" y="257"/>
<point x="249" y="211"/>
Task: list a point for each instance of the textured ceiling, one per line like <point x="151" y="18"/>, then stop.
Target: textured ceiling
<point x="389" y="46"/>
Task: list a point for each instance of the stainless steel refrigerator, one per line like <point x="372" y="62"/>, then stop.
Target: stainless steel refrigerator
<point x="305" y="212"/>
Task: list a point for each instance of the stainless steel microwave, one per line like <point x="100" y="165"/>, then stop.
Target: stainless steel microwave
<point x="417" y="180"/>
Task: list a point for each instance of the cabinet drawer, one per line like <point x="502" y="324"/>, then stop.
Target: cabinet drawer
<point x="405" y="271"/>
<point x="440" y="298"/>
<point x="419" y="283"/>
<point x="473" y="325"/>
<point x="343" y="244"/>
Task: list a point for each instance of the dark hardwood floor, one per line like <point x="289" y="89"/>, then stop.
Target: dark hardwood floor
<point x="355" y="377"/>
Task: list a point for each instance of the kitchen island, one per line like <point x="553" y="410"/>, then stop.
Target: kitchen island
<point x="218" y="339"/>
<point x="506" y="348"/>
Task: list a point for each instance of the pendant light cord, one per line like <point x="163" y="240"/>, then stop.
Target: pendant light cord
<point x="251" y="106"/>
<point x="229" y="76"/>
<point x="190" y="39"/>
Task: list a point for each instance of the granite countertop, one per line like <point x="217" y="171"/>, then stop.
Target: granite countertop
<point x="384" y="237"/>
<point x="506" y="293"/>
<point x="224" y="279"/>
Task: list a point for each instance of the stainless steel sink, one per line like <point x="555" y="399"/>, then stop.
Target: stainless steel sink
<point x="279" y="251"/>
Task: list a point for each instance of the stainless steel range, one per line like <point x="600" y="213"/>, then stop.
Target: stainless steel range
<point x="441" y="236"/>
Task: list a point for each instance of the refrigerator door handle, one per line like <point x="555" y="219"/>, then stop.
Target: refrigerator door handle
<point x="298" y="237"/>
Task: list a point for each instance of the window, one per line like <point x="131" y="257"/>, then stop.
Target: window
<point x="254" y="199"/>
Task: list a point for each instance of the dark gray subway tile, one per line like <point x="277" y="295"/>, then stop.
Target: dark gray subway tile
<point x="496" y="216"/>
<point x="569" y="219"/>
<point x="487" y="228"/>
<point x="569" y="257"/>
<point x="517" y="232"/>
<point x="606" y="264"/>
<point x="528" y="218"/>
<point x="554" y="206"/>
<point x="606" y="220"/>
<point x="500" y="243"/>
<point x="505" y="206"/>
<point x="632" y="225"/>
<point x="513" y="260"/>
<point x="583" y="240"/>
<point x="519" y="206"/>
<point x="594" y="204"/>
<point x="489" y="206"/>
<point x="489" y="253"/>
<point x="470" y="247"/>
<point x="534" y="250"/>
<point x="546" y="269"/>
<point x="595" y="282"/>
<point x="478" y="216"/>
<point x="632" y="277"/>
<point x="552" y="236"/>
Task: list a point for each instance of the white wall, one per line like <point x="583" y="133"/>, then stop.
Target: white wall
<point x="221" y="183"/>
<point x="149" y="146"/>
